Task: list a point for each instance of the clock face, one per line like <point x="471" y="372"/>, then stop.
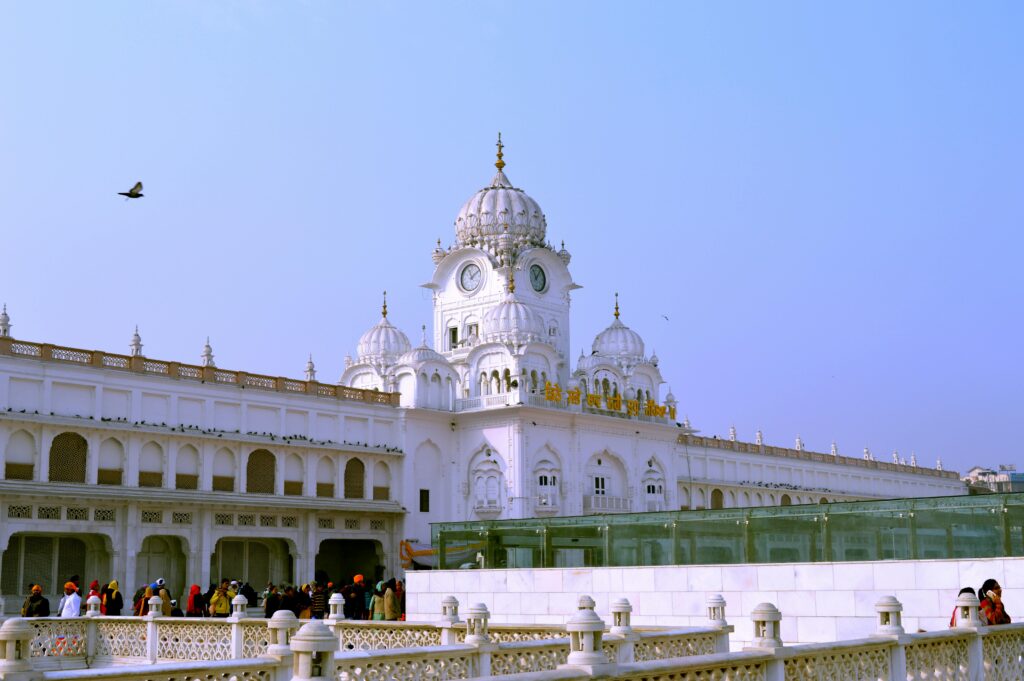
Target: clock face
<point x="537" y="278"/>
<point x="470" y="277"/>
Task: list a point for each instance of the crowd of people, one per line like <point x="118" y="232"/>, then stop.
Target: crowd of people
<point x="384" y="600"/>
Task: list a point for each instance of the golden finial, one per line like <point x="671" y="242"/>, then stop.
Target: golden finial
<point x="499" y="164"/>
<point x="616" y="304"/>
<point x="384" y="309"/>
<point x="511" y="281"/>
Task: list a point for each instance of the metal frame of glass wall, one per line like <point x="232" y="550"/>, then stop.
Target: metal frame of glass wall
<point x="982" y="526"/>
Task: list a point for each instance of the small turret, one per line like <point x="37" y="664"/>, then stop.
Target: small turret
<point x="207" y="356"/>
<point x="310" y="369"/>
<point x="5" y="323"/>
<point x="835" y="448"/>
<point x="732" y="433"/>
<point x="759" y="438"/>
<point x="136" y="344"/>
<point x="799" y="444"/>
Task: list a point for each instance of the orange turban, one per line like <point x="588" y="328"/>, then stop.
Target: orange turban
<point x="36" y="589"/>
<point x="70" y="585"/>
<point x="358" y="579"/>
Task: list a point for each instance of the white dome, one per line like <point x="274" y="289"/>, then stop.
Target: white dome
<point x="384" y="341"/>
<point x="512" y="321"/>
<point x="496" y="208"/>
<point x="619" y="340"/>
<point x="421" y="355"/>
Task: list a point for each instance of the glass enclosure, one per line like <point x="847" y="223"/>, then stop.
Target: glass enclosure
<point x="983" y="526"/>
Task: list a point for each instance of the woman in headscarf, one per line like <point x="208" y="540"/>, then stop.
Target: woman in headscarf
<point x="113" y="602"/>
<point x="992" y="611"/>
<point x="391" y="609"/>
<point x="377" y="602"/>
<point x="142" y="605"/>
<point x="196" y="605"/>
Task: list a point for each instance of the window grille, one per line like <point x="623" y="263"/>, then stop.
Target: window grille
<point x="325" y="489"/>
<point x="77" y="513"/>
<point x="152" y="516"/>
<point x="223" y="483"/>
<point x="247" y="520"/>
<point x="223" y="519"/>
<point x="19" y="512"/>
<point x="355" y="472"/>
<point x="377" y="525"/>
<point x="186" y="481"/>
<point x="351" y="523"/>
<point x="151" y="479"/>
<point x="67" y="458"/>
<point x="259" y="473"/>
<point x="19" y="471"/>
<point x="109" y="476"/>
<point x="181" y="518"/>
<point x="289" y="521"/>
<point x="381" y="493"/>
<point x="325" y="523"/>
<point x="103" y="515"/>
<point x="268" y="521"/>
<point x="48" y="513"/>
<point x="293" y="488"/>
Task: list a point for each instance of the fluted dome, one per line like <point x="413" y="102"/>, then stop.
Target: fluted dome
<point x="619" y="340"/>
<point x="510" y="321"/>
<point x="498" y="208"/>
<point x="421" y="355"/>
<point x="384" y="341"/>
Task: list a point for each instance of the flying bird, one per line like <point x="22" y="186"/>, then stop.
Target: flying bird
<point x="665" y="317"/>
<point x="133" y="193"/>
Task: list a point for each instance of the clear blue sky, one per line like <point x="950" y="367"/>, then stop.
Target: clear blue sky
<point x="825" y="199"/>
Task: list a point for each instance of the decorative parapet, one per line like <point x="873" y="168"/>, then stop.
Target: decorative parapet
<point x="806" y="455"/>
<point x="190" y="372"/>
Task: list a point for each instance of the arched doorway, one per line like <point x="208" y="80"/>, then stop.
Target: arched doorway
<point x="162" y="557"/>
<point x="341" y="559"/>
<point x="717" y="499"/>
<point x="256" y="561"/>
<point x="49" y="560"/>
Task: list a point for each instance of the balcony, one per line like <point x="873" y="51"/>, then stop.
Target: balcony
<point x="546" y="503"/>
<point x="486" y="508"/>
<point x="601" y="503"/>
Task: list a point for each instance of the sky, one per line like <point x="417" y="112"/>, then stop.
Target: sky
<point x="812" y="211"/>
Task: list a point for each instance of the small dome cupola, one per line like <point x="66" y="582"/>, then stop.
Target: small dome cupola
<point x="510" y="321"/>
<point x="618" y="340"/>
<point x="384" y="342"/>
<point x="497" y="209"/>
<point x="422" y="353"/>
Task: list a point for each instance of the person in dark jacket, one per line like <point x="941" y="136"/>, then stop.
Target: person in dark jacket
<point x="271" y="602"/>
<point x="318" y="602"/>
<point x="289" y="601"/>
<point x="250" y="594"/>
<point x="36" y="604"/>
<point x="112" y="600"/>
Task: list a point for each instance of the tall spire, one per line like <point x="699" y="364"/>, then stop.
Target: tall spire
<point x="499" y="164"/>
<point x="423" y="335"/>
<point x="5" y="323"/>
<point x="207" y="356"/>
<point x="384" y="308"/>
<point x="136" y="344"/>
<point x="616" y="304"/>
<point x="310" y="369"/>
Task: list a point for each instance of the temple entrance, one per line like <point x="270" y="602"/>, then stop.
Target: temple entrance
<point x="162" y="557"/>
<point x="341" y="559"/>
<point x="256" y="561"/>
<point x="50" y="559"/>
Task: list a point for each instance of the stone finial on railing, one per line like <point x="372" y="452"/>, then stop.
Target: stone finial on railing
<point x="621" y="610"/>
<point x="450" y="609"/>
<point x="15" y="659"/>
<point x="716" y="610"/>
<point x="238" y="607"/>
<point x="585" y="631"/>
<point x="476" y="624"/>
<point x="312" y="646"/>
<point x="155" y="607"/>
<point x="967" y="616"/>
<point x="889" y="616"/>
<point x="335" y="605"/>
<point x="281" y="626"/>
<point x="92" y="605"/>
<point x="766" y="618"/>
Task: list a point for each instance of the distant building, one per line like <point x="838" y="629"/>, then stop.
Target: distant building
<point x="1005" y="479"/>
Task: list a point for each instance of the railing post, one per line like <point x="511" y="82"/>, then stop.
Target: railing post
<point x="313" y="650"/>
<point x="15" y="659"/>
<point x="281" y="626"/>
<point x="238" y="606"/>
<point x="967" y="617"/>
<point x="476" y="635"/>
<point x="449" y="618"/>
<point x="335" y="614"/>
<point x="585" y="651"/>
<point x="767" y="638"/>
<point x="716" y="617"/>
<point x="92" y="612"/>
<point x="152" y="635"/>
<point x="621" y="610"/>
<point x="890" y="625"/>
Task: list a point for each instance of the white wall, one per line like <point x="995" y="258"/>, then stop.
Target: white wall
<point x="820" y="602"/>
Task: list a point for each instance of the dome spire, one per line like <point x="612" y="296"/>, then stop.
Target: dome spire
<point x="616" y="304"/>
<point x="384" y="308"/>
<point x="511" y="281"/>
<point x="500" y="164"/>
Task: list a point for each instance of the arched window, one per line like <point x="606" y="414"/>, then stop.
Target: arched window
<point x="111" y="463"/>
<point x="224" y="470"/>
<point x="260" y="473"/>
<point x="355" y="473"/>
<point x="533" y="381"/>
<point x="293" y="476"/>
<point x="381" y="481"/>
<point x="151" y="465"/>
<point x="21" y="456"/>
<point x="486" y="482"/>
<point x="186" y="468"/>
<point x="485" y="386"/>
<point x="67" y="458"/>
<point x="717" y="499"/>
<point x="495" y="382"/>
<point x="325" y="477"/>
<point x="786" y="501"/>
<point x="583" y="386"/>
<point x="823" y="501"/>
<point x="606" y="388"/>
